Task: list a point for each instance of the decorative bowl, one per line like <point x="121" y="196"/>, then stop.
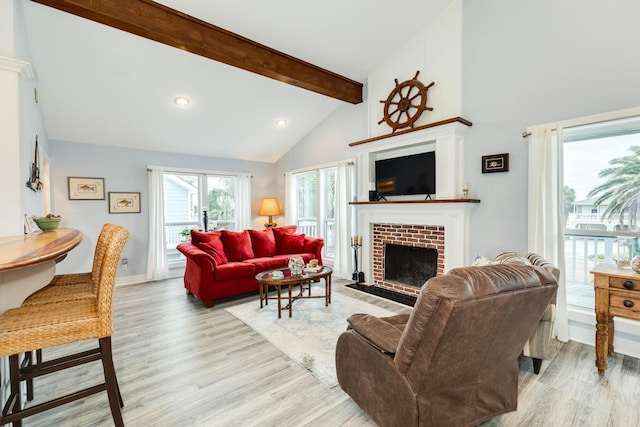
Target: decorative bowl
<point x="47" y="224"/>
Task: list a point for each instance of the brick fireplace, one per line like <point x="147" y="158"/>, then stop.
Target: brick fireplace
<point x="405" y="235"/>
<point x="442" y="226"/>
<point x="441" y="223"/>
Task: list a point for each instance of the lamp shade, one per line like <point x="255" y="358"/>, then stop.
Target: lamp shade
<point x="269" y="207"/>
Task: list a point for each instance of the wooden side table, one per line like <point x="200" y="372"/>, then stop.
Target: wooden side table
<point x="617" y="294"/>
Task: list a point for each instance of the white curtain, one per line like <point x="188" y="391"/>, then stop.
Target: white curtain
<point x="344" y="216"/>
<point x="244" y="202"/>
<point x="546" y="211"/>
<point x="289" y="199"/>
<point x="157" y="267"/>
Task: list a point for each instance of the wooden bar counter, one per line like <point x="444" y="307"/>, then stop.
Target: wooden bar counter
<point x="27" y="262"/>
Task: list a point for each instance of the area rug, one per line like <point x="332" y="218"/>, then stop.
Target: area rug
<point x="309" y="337"/>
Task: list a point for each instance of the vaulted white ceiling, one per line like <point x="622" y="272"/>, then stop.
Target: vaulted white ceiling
<point x="100" y="85"/>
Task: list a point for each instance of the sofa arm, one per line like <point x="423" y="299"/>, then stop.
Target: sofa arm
<point x="314" y="245"/>
<point x="379" y="333"/>
<point x="196" y="254"/>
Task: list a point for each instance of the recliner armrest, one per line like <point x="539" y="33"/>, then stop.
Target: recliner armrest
<point x="380" y="334"/>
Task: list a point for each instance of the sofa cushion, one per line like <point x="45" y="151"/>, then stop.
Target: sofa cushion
<point x="504" y="255"/>
<point x="292" y="244"/>
<point x="278" y="232"/>
<point x="198" y="237"/>
<point x="215" y="248"/>
<point x="310" y="244"/>
<point x="483" y="260"/>
<point x="515" y="259"/>
<point x="211" y="244"/>
<point x="263" y="243"/>
<point x="234" y="270"/>
<point x="237" y="245"/>
<point x="267" y="263"/>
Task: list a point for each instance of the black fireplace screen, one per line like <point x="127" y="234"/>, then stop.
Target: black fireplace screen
<point x="409" y="265"/>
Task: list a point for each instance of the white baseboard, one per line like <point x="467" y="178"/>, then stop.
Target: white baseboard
<point x="141" y="278"/>
<point x="582" y="328"/>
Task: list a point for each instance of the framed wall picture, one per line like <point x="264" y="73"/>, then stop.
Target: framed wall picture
<point x="495" y="163"/>
<point x="124" y="202"/>
<point x="86" y="188"/>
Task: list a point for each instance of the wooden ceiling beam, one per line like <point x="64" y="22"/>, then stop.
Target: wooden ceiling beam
<point x="162" y="24"/>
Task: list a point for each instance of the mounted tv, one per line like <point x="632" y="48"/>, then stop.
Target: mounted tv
<point x="407" y="175"/>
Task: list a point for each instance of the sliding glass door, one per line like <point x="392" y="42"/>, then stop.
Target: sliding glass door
<point x="197" y="201"/>
<point x="315" y="193"/>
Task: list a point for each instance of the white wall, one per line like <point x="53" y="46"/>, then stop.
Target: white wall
<point x="521" y="64"/>
<point x="20" y="121"/>
<point x="327" y="143"/>
<point x="533" y="62"/>
<point x="125" y="170"/>
<point x="436" y="52"/>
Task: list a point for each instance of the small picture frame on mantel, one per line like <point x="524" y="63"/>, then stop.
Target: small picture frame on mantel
<point x="495" y="163"/>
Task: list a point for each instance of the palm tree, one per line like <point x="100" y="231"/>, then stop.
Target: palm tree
<point x="621" y="191"/>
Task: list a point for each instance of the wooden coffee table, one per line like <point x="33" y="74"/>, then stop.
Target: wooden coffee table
<point x="302" y="281"/>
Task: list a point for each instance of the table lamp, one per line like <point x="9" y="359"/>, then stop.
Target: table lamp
<point x="269" y="207"/>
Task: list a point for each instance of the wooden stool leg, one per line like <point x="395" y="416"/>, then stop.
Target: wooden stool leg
<point x="14" y="379"/>
<point x="26" y="363"/>
<point x="115" y="400"/>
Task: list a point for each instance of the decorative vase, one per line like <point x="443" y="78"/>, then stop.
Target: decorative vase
<point x="625" y="245"/>
<point x="635" y="264"/>
<point x="296" y="264"/>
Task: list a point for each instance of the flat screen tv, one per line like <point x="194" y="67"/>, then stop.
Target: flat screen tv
<point x="407" y="175"/>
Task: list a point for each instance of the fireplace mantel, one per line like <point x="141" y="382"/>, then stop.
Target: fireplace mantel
<point x="406" y="202"/>
<point x="453" y="217"/>
<point x="450" y="207"/>
<point x="446" y="138"/>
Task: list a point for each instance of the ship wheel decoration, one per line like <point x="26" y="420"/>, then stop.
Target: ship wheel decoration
<point x="405" y="103"/>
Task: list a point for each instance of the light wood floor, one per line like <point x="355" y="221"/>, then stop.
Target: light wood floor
<point x="180" y="364"/>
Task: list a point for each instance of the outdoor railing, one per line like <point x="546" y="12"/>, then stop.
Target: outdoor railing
<point x="310" y="228"/>
<point x="584" y="249"/>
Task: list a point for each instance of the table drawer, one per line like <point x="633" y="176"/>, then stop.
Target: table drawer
<point x="626" y="284"/>
<point x="625" y="305"/>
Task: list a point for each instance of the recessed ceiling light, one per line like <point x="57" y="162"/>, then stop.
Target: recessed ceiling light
<point x="182" y="101"/>
<point x="281" y="123"/>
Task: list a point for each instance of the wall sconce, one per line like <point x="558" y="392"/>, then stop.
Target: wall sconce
<point x="269" y="207"/>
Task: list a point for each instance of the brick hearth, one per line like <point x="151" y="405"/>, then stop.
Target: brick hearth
<point x="423" y="236"/>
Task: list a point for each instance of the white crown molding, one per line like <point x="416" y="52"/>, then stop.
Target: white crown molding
<point x="22" y="68"/>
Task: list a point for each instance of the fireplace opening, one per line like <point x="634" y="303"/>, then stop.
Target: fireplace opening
<point x="409" y="265"/>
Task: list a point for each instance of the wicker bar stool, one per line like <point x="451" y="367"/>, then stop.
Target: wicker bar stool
<point x="29" y="328"/>
<point x="75" y="286"/>
<point x="69" y="287"/>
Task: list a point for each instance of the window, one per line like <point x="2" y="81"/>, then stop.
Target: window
<point x="190" y="199"/>
<point x="601" y="176"/>
<point x="315" y="194"/>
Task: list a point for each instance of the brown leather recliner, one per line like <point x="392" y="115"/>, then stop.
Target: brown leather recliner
<point x="454" y="360"/>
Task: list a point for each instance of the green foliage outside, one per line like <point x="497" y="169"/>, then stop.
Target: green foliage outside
<point x="569" y="198"/>
<point x="621" y="190"/>
<point x="222" y="198"/>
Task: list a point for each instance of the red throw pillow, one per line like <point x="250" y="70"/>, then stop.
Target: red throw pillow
<point x="310" y="245"/>
<point x="263" y="243"/>
<point x="237" y="245"/>
<point x="198" y="237"/>
<point x="278" y="232"/>
<point x="292" y="244"/>
<point x="216" y="250"/>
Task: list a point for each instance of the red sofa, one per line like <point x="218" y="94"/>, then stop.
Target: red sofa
<point x="224" y="263"/>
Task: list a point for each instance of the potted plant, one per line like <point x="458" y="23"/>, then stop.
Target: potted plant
<point x="185" y="234"/>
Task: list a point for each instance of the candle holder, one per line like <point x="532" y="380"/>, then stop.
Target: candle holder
<point x="356" y="244"/>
